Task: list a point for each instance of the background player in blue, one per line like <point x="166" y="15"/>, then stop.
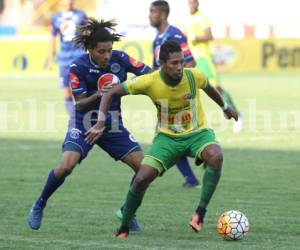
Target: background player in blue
<point x="159" y="12"/>
<point x="63" y="24"/>
<point x="88" y="74"/>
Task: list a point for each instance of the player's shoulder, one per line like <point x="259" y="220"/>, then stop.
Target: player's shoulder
<point x="119" y="54"/>
<point x="79" y="12"/>
<point x="81" y="63"/>
<point x="56" y="15"/>
<point x="197" y="73"/>
<point x="148" y="78"/>
<point x="200" y="17"/>
<point x="176" y="32"/>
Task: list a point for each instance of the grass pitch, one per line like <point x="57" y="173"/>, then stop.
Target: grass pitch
<point x="260" y="175"/>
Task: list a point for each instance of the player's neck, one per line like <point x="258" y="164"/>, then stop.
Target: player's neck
<point x="163" y="27"/>
<point x="167" y="80"/>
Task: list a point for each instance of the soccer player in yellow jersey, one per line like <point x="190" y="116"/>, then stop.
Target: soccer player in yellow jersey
<point x="199" y="35"/>
<point x="174" y="90"/>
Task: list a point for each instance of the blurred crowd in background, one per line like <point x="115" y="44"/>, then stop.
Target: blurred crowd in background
<point x="231" y="18"/>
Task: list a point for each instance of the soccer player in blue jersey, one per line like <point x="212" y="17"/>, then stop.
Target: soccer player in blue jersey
<point x="63" y="24"/>
<point x="89" y="74"/>
<point x="159" y="12"/>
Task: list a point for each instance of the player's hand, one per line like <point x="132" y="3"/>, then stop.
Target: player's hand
<point x="94" y="133"/>
<point x="106" y="88"/>
<point x="231" y="113"/>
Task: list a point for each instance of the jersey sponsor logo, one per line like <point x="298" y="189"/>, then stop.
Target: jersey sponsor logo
<point x="74" y="80"/>
<point x="106" y="79"/>
<point x="94" y="71"/>
<point x="115" y="68"/>
<point x="135" y="63"/>
<point x="178" y="36"/>
<point x="75" y="133"/>
<point x="131" y="138"/>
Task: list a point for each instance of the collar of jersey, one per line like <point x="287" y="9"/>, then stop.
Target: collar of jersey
<point x="91" y="61"/>
<point x="162" y="34"/>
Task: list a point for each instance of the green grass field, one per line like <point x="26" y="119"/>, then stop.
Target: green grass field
<point x="260" y="175"/>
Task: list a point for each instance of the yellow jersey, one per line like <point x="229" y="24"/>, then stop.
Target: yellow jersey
<point x="179" y="108"/>
<point x="197" y="26"/>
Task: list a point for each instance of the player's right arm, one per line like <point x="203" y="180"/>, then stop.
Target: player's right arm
<point x="134" y="86"/>
<point x="94" y="133"/>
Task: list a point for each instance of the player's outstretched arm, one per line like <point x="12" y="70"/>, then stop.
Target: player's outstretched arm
<point x="215" y="95"/>
<point x="95" y="132"/>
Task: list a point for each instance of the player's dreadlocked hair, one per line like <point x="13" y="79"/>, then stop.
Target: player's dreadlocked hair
<point x="96" y="31"/>
<point x="168" y="47"/>
<point x="162" y="5"/>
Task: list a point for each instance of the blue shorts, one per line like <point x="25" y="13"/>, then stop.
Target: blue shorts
<point x="64" y="76"/>
<point x="116" y="144"/>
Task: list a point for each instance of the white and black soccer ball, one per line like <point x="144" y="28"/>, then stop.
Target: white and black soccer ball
<point x="233" y="225"/>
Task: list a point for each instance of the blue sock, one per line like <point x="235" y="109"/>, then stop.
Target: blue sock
<point x="186" y="170"/>
<point x="51" y="185"/>
<point x="69" y="106"/>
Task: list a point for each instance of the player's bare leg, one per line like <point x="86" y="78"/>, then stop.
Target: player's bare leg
<point x="55" y="179"/>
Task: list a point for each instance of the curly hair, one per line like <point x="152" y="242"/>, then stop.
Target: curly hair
<point x="96" y="31"/>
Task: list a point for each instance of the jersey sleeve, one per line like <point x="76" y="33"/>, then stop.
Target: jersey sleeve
<point x="76" y="80"/>
<point x="200" y="79"/>
<point x="137" y="85"/>
<point x="134" y="66"/>
<point x="182" y="40"/>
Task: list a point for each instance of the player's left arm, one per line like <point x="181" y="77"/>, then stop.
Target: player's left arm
<point x="215" y="95"/>
<point x="94" y="133"/>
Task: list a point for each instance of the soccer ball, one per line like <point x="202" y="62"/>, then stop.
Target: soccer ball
<point x="233" y="225"/>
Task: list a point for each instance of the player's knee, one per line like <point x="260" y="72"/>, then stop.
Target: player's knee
<point x="140" y="182"/>
<point x="66" y="167"/>
<point x="213" y="156"/>
<point x="216" y="160"/>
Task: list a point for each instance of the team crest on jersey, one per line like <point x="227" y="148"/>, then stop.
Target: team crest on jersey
<point x="75" y="133"/>
<point x="135" y="63"/>
<point x="188" y="97"/>
<point x="115" y="68"/>
<point x="74" y="80"/>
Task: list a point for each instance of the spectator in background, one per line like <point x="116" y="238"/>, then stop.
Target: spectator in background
<point x="63" y="24"/>
<point x="199" y="35"/>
